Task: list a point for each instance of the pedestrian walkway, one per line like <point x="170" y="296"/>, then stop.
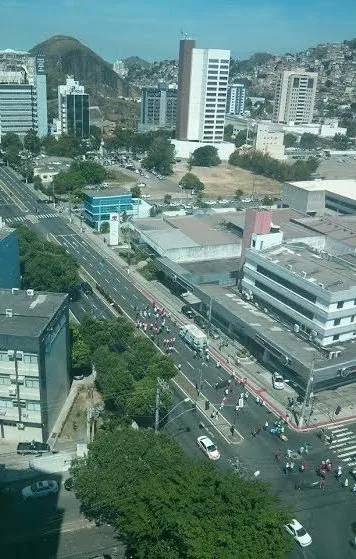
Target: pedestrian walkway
<point x="343" y="444"/>
<point x="30" y="217"/>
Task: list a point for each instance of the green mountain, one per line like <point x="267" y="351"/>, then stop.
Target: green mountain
<point x="68" y="56"/>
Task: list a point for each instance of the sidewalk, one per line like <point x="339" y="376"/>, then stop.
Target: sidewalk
<point x="252" y="374"/>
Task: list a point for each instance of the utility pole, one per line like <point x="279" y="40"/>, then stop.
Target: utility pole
<point x="161" y="386"/>
<point x="307" y="395"/>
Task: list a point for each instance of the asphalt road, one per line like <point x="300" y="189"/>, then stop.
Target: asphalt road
<point x="327" y="514"/>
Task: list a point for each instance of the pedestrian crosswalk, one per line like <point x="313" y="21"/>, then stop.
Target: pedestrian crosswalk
<point x="30" y="217"/>
<point x="343" y="444"/>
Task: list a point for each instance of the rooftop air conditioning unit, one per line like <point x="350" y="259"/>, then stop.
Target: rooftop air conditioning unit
<point x="12" y="391"/>
<point x="30" y="292"/>
<point x="296" y="328"/>
<point x="321" y="285"/>
<point x="15" y="290"/>
<point x="21" y="426"/>
<point x="304" y="274"/>
<point x="11" y="353"/>
<point x="8" y="313"/>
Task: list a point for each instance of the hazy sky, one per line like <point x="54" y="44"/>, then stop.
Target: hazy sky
<point x="151" y="28"/>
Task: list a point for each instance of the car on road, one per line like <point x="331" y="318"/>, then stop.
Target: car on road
<point x="33" y="447"/>
<point x="200" y="321"/>
<point x="69" y="484"/>
<point x="145" y="195"/>
<point x="141" y="184"/>
<point x="299" y="533"/>
<point x="277" y="381"/>
<point x="187" y="311"/>
<point x="208" y="447"/>
<point x="40" y="489"/>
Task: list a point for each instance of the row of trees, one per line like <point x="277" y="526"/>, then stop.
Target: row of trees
<point x="46" y="266"/>
<point x="127" y="367"/>
<point x="142" y="483"/>
<point x="79" y="174"/>
<point x="262" y="164"/>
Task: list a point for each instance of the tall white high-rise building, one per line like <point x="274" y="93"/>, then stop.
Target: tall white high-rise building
<point x="295" y="97"/>
<point x="23" y="93"/>
<point x="202" y="90"/>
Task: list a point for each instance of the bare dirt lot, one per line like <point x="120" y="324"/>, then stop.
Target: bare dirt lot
<point x="225" y="179"/>
<point x="75" y="426"/>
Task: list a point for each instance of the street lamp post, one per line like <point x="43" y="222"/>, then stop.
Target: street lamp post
<point x="308" y="394"/>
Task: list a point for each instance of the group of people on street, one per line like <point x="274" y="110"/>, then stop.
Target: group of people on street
<point x="152" y="320"/>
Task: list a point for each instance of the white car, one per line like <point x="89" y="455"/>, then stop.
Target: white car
<point x="40" y="489"/>
<point x="277" y="381"/>
<point x="208" y="447"/>
<point x="295" y="529"/>
<point x="145" y="195"/>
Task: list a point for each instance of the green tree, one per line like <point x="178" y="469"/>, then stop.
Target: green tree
<point x="104" y="227"/>
<point x="10" y="139"/>
<point x="289" y="140"/>
<point x="26" y="169"/>
<point x="32" y="142"/>
<point x="113" y="379"/>
<point x="340" y="141"/>
<point x="81" y="354"/>
<point x="65" y="146"/>
<point x="156" y="499"/>
<point x="37" y="183"/>
<point x="240" y="138"/>
<point x="309" y="141"/>
<point x="136" y="191"/>
<point x="160" y="156"/>
<point x="205" y="156"/>
<point x="92" y="172"/>
<point x="191" y="182"/>
<point x="239" y="193"/>
<point x="167" y="199"/>
<point x="11" y="155"/>
<point x="46" y="266"/>
<point x="228" y="131"/>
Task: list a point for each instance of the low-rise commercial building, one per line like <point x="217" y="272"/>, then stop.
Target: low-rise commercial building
<point x="269" y="141"/>
<point x="99" y="204"/>
<point x="34" y="362"/>
<point x="312" y="197"/>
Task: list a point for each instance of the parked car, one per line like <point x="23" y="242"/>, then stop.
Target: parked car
<point x="299" y="533"/>
<point x="141" y="184"/>
<point x="69" y="484"/>
<point x="145" y="195"/>
<point x="33" y="447"/>
<point x="277" y="381"/>
<point x="208" y="447"/>
<point x="40" y="489"/>
<point x="187" y="311"/>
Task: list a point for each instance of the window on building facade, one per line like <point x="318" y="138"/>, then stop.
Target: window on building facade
<point x="32" y="383"/>
<point x="33" y="406"/>
<point x="340" y="304"/>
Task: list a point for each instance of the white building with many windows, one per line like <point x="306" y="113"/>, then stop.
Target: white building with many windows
<point x="295" y="97"/>
<point x="34" y="362"/>
<point x="312" y="291"/>
<point x="202" y="92"/>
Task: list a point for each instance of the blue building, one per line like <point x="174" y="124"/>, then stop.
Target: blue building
<point x="236" y="96"/>
<point x="99" y="204"/>
<point x="9" y="258"/>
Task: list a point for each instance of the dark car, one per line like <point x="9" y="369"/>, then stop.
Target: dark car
<point x="201" y="322"/>
<point x="33" y="447"/>
<point x="187" y="311"/>
<point x="86" y="287"/>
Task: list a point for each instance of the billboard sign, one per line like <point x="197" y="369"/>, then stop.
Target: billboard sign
<point x="114" y="229"/>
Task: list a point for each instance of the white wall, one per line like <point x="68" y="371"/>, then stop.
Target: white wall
<point x="197" y="95"/>
<point x="185" y="149"/>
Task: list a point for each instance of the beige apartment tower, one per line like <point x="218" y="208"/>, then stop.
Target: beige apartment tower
<point x="295" y="97"/>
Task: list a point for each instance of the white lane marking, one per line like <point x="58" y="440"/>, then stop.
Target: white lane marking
<point x="341" y="434"/>
<point x="220" y="378"/>
<point x="81" y="306"/>
<point x="85" y="295"/>
<point x="207" y="382"/>
<point x="175" y="349"/>
<point x="124" y="298"/>
<point x="341" y="428"/>
<point x="351" y="451"/>
<point x="190" y="365"/>
<point x="125" y="286"/>
<point x="83" y="257"/>
<point x="107" y="281"/>
<point x="132" y="306"/>
<point x="90" y="264"/>
<point x="115" y="288"/>
<point x="348" y="438"/>
<point x="135" y="296"/>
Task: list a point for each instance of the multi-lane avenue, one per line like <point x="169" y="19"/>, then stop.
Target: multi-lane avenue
<point x="329" y="514"/>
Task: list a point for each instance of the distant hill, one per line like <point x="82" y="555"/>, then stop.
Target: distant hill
<point x="68" y="56"/>
<point x="136" y="62"/>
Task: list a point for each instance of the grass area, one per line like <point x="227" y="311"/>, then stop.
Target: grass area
<point x="119" y="177"/>
<point x="225" y="179"/>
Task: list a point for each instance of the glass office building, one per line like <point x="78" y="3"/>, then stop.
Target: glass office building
<point x="73" y="109"/>
<point x="99" y="205"/>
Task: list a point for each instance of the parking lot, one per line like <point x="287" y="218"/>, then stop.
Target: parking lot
<point x="338" y="167"/>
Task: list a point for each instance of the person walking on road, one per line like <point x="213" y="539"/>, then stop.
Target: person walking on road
<point x="346" y="482"/>
<point x="339" y="472"/>
<point x="354" y="489"/>
<point x="266" y="426"/>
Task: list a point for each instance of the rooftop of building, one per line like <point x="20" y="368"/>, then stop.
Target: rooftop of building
<point x="212" y="266"/>
<point x="332" y="273"/>
<point x="96" y="192"/>
<point x="342" y="187"/>
<point x="51" y="163"/>
<point x="5" y="231"/>
<point x="30" y="313"/>
<point x="275" y="331"/>
<point x="340" y="228"/>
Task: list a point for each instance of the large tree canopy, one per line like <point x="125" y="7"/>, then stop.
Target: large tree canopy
<point x="191" y="182"/>
<point x="165" y="505"/>
<point x="160" y="156"/>
<point x="206" y="156"/>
